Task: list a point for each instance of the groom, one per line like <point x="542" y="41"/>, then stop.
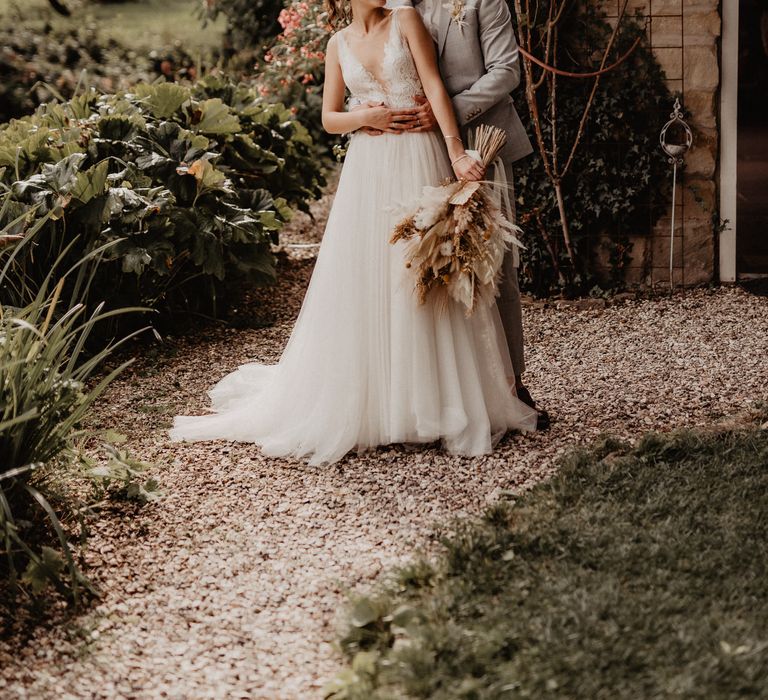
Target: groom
<point x="480" y="65"/>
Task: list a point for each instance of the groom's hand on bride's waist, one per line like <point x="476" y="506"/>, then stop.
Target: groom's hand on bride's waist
<point x="427" y="121"/>
<point x="416" y="119"/>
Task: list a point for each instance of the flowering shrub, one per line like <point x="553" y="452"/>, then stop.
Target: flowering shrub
<point x="292" y="69"/>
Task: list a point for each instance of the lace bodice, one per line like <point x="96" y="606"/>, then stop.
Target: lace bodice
<point x="400" y="82"/>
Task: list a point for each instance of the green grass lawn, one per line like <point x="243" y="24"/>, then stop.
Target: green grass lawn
<point x="633" y="574"/>
<point x="143" y="25"/>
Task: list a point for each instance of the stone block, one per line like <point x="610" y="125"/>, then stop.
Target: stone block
<point x="667" y="7"/>
<point x="667" y="31"/>
<point x="698" y="199"/>
<point x="701" y="161"/>
<point x="660" y="246"/>
<point x="699" y="273"/>
<point x="702" y="28"/>
<point x="663" y="226"/>
<point x="694" y="6"/>
<point x="702" y="69"/>
<point x="699" y="252"/>
<point x="671" y="61"/>
<point x="701" y="105"/>
<point x="660" y="276"/>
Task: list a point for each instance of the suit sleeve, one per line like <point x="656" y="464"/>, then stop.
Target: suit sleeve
<point x="502" y="63"/>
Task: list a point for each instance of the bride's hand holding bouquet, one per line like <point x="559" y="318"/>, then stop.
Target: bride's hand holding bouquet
<point x="465" y="167"/>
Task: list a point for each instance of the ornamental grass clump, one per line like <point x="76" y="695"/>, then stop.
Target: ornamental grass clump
<point x="633" y="573"/>
<point x="457" y="235"/>
<point x="47" y="388"/>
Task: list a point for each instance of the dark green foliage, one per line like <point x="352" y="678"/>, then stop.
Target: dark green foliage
<point x="634" y="573"/>
<point x="189" y="182"/>
<point x="37" y="66"/>
<point x="249" y="22"/>
<point x="273" y="150"/>
<point x="619" y="181"/>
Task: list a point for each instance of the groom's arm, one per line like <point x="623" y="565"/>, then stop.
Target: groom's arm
<point x="502" y="63"/>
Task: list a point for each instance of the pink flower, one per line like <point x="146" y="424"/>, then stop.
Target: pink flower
<point x="290" y="21"/>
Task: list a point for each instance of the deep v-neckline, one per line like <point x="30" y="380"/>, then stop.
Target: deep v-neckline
<point x="382" y="60"/>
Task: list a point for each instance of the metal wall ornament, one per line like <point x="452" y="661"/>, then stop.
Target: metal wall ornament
<point x="676" y="139"/>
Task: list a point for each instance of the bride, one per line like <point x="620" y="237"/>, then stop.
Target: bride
<point x="366" y="364"/>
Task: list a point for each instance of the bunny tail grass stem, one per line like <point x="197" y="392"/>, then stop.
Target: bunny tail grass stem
<point x="488" y="141"/>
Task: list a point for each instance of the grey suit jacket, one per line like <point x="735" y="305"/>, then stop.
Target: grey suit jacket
<point x="480" y="65"/>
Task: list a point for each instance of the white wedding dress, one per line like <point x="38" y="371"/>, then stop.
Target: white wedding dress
<point x="366" y="365"/>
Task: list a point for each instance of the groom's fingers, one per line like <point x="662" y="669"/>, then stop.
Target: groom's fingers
<point x="427" y="120"/>
<point x="425" y="125"/>
<point x="421" y="127"/>
<point x="408" y="116"/>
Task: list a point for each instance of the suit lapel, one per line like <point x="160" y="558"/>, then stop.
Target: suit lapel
<point x="443" y="26"/>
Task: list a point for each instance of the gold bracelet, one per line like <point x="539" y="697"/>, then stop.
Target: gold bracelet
<point x="458" y="138"/>
<point x="453" y="162"/>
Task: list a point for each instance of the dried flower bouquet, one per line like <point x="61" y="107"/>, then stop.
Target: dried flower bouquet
<point x="457" y="233"/>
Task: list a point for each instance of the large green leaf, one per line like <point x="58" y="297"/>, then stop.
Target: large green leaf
<point x="247" y="154"/>
<point x="62" y="176"/>
<point x="207" y="177"/>
<point x="135" y="261"/>
<point x="91" y="183"/>
<point x="214" y="117"/>
<point x="164" y="99"/>
<point x="44" y="569"/>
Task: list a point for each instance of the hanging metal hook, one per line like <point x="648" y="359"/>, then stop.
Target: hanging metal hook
<point x="676" y="150"/>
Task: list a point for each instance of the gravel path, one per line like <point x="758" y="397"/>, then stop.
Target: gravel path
<point x="230" y="585"/>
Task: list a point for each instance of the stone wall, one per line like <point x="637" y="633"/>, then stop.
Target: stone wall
<point x="685" y="37"/>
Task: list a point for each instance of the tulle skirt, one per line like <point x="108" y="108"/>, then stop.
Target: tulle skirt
<point x="366" y="364"/>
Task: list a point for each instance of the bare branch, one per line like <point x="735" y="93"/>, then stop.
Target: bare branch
<point x="591" y="100"/>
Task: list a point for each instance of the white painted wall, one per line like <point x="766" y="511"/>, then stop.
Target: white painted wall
<point x="729" y="107"/>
